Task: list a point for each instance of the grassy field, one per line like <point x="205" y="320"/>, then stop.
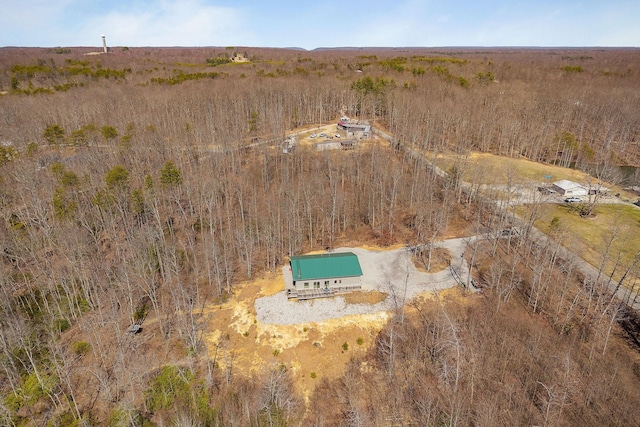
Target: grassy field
<point x="484" y="168"/>
<point x="585" y="236"/>
<point x="618" y="223"/>
<point x="491" y="169"/>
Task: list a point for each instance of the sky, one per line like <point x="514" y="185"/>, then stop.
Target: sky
<point x="311" y="24"/>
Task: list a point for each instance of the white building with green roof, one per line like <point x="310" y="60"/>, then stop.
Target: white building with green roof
<point x="323" y="275"/>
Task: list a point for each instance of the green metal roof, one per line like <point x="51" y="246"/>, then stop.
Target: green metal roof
<point x="324" y="266"/>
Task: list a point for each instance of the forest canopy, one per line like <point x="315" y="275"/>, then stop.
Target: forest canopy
<point x="143" y="189"/>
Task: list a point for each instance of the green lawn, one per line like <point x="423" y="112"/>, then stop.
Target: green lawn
<point x="589" y="236"/>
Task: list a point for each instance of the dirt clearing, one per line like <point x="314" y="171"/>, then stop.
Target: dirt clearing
<point x="311" y="351"/>
<point x="259" y="328"/>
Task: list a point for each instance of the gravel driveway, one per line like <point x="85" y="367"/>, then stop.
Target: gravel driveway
<point x="391" y="272"/>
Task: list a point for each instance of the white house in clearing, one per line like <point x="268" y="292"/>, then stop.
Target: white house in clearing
<point x="569" y="188"/>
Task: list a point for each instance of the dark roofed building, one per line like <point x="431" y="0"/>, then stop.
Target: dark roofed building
<point x="361" y="130"/>
<point x="348" y="144"/>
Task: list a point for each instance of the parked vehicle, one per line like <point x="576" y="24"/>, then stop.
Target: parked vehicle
<point x="573" y="200"/>
<point x="546" y="190"/>
<point x="475" y="284"/>
<point x="510" y="232"/>
<point x="313" y="135"/>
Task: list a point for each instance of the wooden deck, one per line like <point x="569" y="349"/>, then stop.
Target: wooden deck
<point x="305" y="294"/>
<point x="320" y="293"/>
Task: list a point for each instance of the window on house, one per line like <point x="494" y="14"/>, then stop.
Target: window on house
<point x="306" y="284"/>
<point x="326" y="283"/>
<point x="316" y="285"/>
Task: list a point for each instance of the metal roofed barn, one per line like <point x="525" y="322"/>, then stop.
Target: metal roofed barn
<point x="569" y="188"/>
<point x="355" y="129"/>
<point x="323" y="275"/>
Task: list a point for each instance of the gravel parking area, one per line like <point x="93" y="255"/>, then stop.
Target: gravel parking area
<point x="391" y="272"/>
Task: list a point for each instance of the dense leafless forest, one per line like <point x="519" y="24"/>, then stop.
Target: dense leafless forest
<point x="140" y="186"/>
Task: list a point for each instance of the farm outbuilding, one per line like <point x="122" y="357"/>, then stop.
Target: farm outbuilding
<point x="345" y="144"/>
<point x="348" y="144"/>
<point x="328" y="145"/>
<point x="569" y="188"/>
<point x="323" y="275"/>
<point x="354" y="129"/>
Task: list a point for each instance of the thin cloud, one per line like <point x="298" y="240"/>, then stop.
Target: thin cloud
<point x="324" y="23"/>
<point x="30" y="25"/>
<point x="175" y="23"/>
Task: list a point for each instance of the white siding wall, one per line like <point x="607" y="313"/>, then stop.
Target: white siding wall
<point x="335" y="282"/>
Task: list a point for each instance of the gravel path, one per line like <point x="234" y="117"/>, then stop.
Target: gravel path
<point x="391" y="272"/>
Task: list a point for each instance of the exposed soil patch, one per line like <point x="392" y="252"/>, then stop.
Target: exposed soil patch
<point x="371" y="297"/>
<point x="240" y="342"/>
<point x="259" y="328"/>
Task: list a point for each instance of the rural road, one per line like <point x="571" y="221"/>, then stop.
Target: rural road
<point x="529" y="194"/>
<point x="589" y="271"/>
<point x="393" y="273"/>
